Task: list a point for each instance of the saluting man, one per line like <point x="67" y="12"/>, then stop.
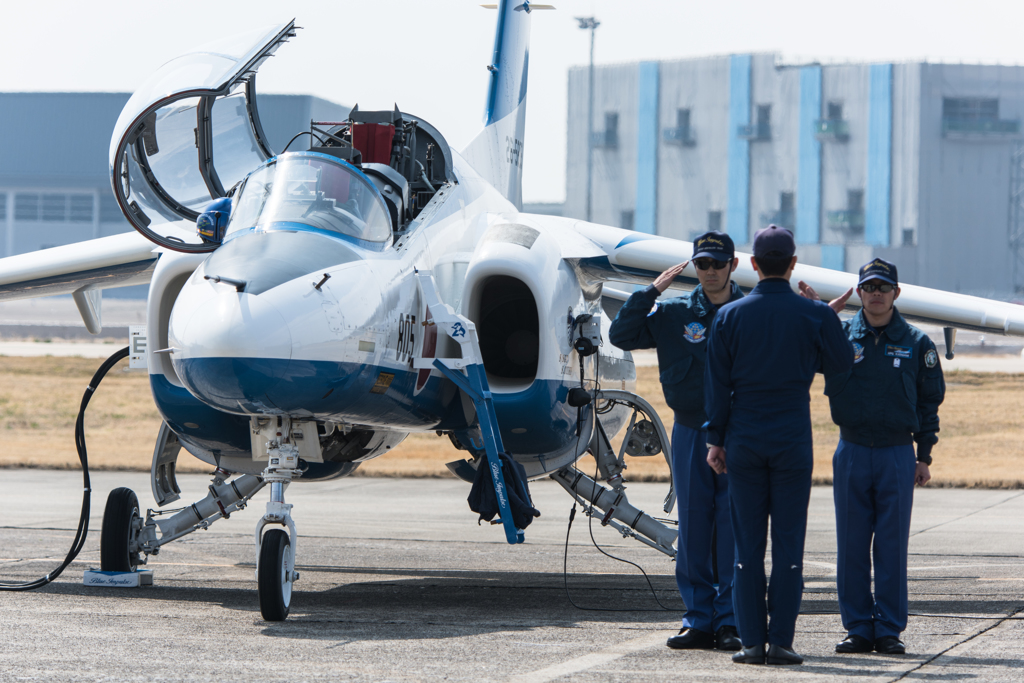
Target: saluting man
<point x="888" y="401"/>
<point x="677" y="328"/>
<point x="763" y="352"/>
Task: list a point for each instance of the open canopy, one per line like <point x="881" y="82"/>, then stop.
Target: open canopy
<point x="189" y="134"/>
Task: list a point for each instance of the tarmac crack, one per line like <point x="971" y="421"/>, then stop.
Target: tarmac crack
<point x="969" y="514"/>
<point x="1009" y="617"/>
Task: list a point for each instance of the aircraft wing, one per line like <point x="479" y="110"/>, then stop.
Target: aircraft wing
<point x="638" y="258"/>
<point x="81" y="269"/>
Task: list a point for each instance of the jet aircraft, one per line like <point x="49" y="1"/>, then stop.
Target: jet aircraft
<point x="310" y="308"/>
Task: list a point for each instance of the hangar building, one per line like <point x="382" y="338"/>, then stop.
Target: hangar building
<point x="917" y="163"/>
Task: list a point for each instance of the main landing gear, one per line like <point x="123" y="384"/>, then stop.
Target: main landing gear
<point x="127" y="540"/>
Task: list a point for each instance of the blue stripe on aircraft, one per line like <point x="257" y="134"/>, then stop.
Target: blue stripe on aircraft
<point x="635" y="237"/>
<point x="510" y="62"/>
<point x="323" y="389"/>
<point x="202" y="428"/>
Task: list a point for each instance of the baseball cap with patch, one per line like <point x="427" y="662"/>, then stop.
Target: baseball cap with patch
<point x="774" y="239"/>
<point x="878" y="269"/>
<point x="716" y="245"/>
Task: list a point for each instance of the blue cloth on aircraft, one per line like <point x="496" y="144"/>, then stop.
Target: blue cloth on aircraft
<point x="874" y="493"/>
<point x="677" y="328"/>
<point x="763" y="352"/>
<point x="483" y="500"/>
<point x="702" y="499"/>
<point x="891" y="395"/>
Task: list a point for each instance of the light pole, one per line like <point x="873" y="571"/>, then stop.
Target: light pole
<point x="591" y="24"/>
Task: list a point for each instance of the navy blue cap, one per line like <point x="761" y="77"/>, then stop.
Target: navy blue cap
<point x="774" y="239"/>
<point x="879" y="269"/>
<point x="716" y="245"/>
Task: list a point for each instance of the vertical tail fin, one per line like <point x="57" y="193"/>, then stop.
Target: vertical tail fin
<point x="497" y="151"/>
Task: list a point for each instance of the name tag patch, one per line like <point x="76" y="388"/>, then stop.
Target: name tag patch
<point x="894" y="351"/>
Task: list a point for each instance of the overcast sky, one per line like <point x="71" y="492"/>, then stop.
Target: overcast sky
<point x="429" y="56"/>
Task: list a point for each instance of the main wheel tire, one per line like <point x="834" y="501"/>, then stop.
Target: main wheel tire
<point x="275" y="575"/>
<point x="116" y="535"/>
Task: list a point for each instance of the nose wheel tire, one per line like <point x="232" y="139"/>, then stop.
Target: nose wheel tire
<point x="275" y="575"/>
<point x="118" y="529"/>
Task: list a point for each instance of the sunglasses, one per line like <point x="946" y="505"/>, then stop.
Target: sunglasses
<point x="705" y="263"/>
<point x="883" y="288"/>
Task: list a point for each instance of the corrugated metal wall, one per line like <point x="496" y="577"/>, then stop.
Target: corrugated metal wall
<point x="893" y="184"/>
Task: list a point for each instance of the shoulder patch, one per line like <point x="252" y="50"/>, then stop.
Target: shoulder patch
<point x="695" y="333"/>
<point x="931" y="359"/>
<point x="858" y="352"/>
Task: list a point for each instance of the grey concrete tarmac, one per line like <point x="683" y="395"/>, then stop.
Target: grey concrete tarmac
<point x="399" y="583"/>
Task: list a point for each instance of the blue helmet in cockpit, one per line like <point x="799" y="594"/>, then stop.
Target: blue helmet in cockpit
<point x="213" y="220"/>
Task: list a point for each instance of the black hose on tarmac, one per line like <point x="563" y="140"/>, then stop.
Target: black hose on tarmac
<point x="83" y="521"/>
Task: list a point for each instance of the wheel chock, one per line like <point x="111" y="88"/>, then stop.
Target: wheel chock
<point x="139" y="577"/>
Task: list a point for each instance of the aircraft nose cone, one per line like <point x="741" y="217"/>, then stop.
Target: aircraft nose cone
<point x="231" y="348"/>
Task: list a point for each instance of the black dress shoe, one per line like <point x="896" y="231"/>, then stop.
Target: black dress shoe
<point x="727" y="638"/>
<point x="692" y="639"/>
<point x="854" y="643"/>
<point x="750" y="655"/>
<point x="782" y="655"/>
<point x="890" y="645"/>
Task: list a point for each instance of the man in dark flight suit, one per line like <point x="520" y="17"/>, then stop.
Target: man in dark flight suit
<point x="677" y="328"/>
<point x="886" y="402"/>
<point x="763" y="352"/>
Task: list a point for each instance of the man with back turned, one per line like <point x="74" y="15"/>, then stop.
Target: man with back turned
<point x="763" y="351"/>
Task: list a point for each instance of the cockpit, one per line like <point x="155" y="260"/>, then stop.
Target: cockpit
<point x="308" y="190"/>
<point x="186" y="139"/>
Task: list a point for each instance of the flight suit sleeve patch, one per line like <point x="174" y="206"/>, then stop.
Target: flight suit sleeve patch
<point x="931" y="359"/>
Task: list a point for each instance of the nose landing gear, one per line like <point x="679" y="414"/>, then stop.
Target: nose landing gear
<point x="275" y="549"/>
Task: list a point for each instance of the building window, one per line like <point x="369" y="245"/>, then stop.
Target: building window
<point x="609" y="137"/>
<point x="970" y="108"/>
<point x="80" y="208"/>
<point x="762" y="130"/>
<point x="835" y="111"/>
<point x="681" y="134"/>
<point x="611" y="128"/>
<point x="908" y="237"/>
<point x="626" y="220"/>
<point x="785" y="217"/>
<point x="975" y="117"/>
<point x="26" y="207"/>
<point x="855" y="200"/>
<point x="3" y="206"/>
<point x="53" y="207"/>
<point x="851" y="219"/>
<point x="715" y="221"/>
<point x="110" y="212"/>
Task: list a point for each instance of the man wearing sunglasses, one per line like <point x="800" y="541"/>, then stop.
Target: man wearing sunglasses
<point x="885" y="403"/>
<point x="677" y="328"/>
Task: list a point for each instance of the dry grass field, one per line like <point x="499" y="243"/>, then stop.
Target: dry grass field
<point x="980" y="443"/>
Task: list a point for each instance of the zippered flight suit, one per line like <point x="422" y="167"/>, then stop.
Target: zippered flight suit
<point x="763" y="352"/>
<point x="677" y="328"/>
<point x="887" y="401"/>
